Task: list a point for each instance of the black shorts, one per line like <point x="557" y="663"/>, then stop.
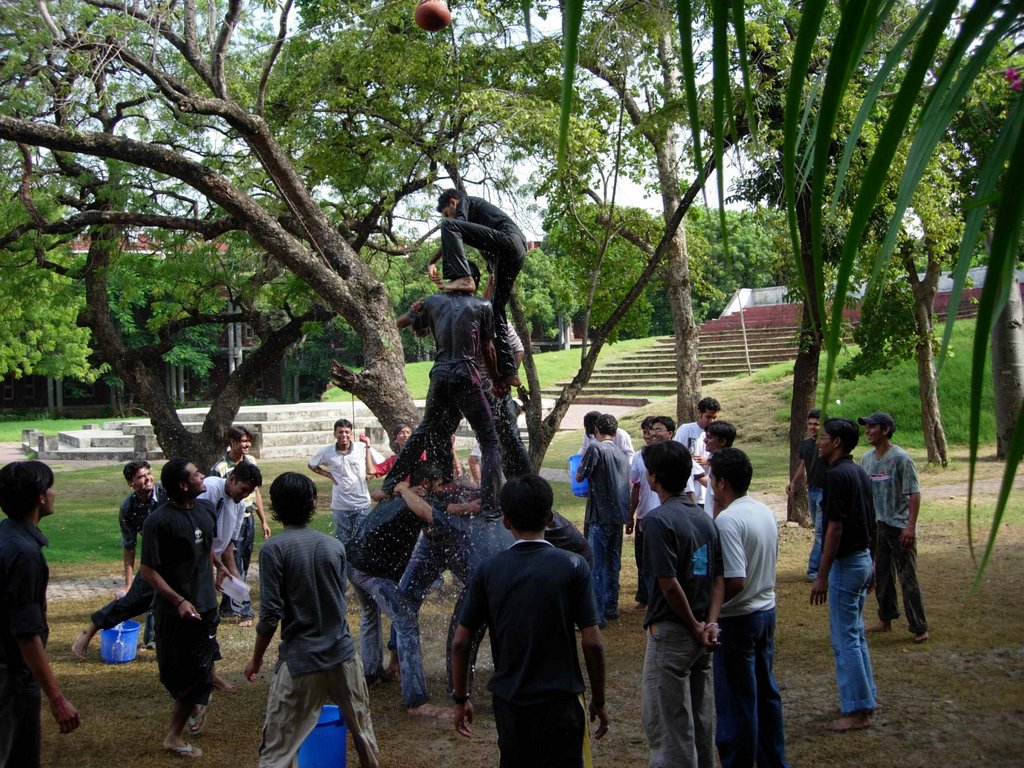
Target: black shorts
<point x="542" y="735"/>
<point x="185" y="652"/>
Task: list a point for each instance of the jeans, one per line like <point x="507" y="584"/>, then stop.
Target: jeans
<point x="462" y="553"/>
<point x="847" y="590"/>
<point x="606" y="545"/>
<point x="505" y="255"/>
<point x="243" y="556"/>
<point x="814" y="496"/>
<point x="676" y="705"/>
<point x="893" y="561"/>
<point x="345" y="521"/>
<point x="452" y="395"/>
<point x="747" y="701"/>
<point x="137" y="601"/>
<point x="371" y="646"/>
<point x="405" y="623"/>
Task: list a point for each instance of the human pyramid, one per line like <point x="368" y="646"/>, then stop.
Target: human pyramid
<point x="705" y="552"/>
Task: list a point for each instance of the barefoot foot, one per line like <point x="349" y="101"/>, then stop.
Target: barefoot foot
<point x="431" y="710"/>
<point x="852" y="722"/>
<point x="881" y="626"/>
<point x="81" y="644"/>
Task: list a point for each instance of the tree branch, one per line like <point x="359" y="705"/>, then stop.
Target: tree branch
<point x="275" y="50"/>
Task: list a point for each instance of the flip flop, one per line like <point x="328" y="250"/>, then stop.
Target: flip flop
<point x="186" y="751"/>
<point x="197" y="721"/>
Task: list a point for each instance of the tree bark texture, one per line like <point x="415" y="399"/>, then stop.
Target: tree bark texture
<point x="928" y="389"/>
<point x="805" y="368"/>
<point x="1008" y="367"/>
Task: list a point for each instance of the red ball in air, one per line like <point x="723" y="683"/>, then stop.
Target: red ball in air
<point x="432" y="15"/>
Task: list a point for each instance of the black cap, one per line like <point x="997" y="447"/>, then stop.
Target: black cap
<point x="880" y="418"/>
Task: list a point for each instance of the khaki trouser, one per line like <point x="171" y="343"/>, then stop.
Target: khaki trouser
<point x="293" y="708"/>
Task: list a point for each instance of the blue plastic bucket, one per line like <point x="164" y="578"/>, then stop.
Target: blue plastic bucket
<point x="582" y="487"/>
<point x="325" y="745"/>
<point x="118" y="644"/>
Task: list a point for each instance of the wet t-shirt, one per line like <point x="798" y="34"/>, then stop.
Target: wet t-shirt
<point x="461" y="324"/>
<point x="384" y="540"/>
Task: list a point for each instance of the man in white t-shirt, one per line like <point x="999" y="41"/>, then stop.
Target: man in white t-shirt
<point x="642" y="500"/>
<point x="228" y="495"/>
<point x="344" y="463"/>
<point x="747" y="702"/>
<point x="692" y="436"/>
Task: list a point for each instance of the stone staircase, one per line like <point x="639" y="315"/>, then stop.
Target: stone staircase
<point x="279" y="431"/>
<point x="638" y="377"/>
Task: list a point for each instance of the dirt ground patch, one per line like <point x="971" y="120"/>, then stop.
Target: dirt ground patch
<point x="957" y="700"/>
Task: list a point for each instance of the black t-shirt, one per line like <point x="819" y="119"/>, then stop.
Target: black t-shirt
<point x="847" y="499"/>
<point x="176" y="544"/>
<point x="814" y="466"/>
<point x="479" y="211"/>
<point x="384" y="540"/>
<point x="460" y="324"/>
<point x="532" y="597"/>
<point x="680" y="540"/>
<point x="23" y="579"/>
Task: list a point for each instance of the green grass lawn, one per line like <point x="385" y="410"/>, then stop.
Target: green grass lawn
<point x="10" y="431"/>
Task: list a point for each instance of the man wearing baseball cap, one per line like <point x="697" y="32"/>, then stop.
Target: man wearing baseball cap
<point x="897" y="497"/>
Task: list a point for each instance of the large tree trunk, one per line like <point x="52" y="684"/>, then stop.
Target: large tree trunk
<point x="677" y="269"/>
<point x="805" y="369"/>
<point x="141" y="370"/>
<point x="1008" y="367"/>
<point x="924" y="300"/>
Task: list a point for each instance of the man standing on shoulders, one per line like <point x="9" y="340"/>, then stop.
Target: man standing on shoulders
<point x="177" y="561"/>
<point x="26" y="496"/>
<point x="897" y="497"/>
<point x="239" y="445"/>
<point x="846" y="572"/>
<point x="813" y="468"/>
<point x="748" y="706"/>
<point x="685" y="560"/>
<point x="145" y="496"/>
<point x="302" y="587"/>
<point x="607" y="467"/>
<point x="473" y="221"/>
<point x="537" y="684"/>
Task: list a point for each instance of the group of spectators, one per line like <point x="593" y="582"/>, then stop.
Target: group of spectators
<point x="706" y="555"/>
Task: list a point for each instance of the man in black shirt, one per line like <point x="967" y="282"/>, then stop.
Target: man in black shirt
<point x="462" y="327"/>
<point x="846" y="571"/>
<point x="26" y="496"/>
<point x="145" y="496"/>
<point x="178" y="562"/>
<point x="532" y="597"/>
<point x="473" y="221"/>
<point x="813" y="468"/>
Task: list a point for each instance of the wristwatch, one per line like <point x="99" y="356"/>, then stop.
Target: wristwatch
<point x="460" y="699"/>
